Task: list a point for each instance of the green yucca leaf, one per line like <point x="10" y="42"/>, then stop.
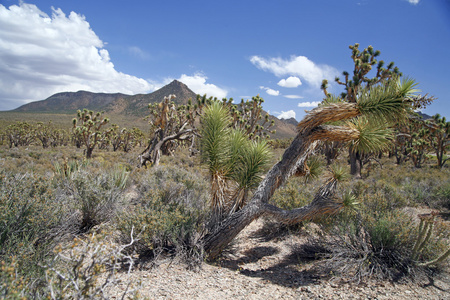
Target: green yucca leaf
<point x="339" y="172"/>
<point x="251" y="163"/>
<point x="315" y="167"/>
<point x="237" y="141"/>
<point x="214" y="144"/>
<point x="349" y="199"/>
<point x="389" y="100"/>
<point x="374" y="135"/>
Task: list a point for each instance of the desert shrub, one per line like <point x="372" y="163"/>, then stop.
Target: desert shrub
<point x="425" y="186"/>
<point x="440" y="196"/>
<point x="377" y="240"/>
<point x="96" y="194"/>
<point x="30" y="227"/>
<point x="84" y="268"/>
<point x="170" y="214"/>
<point x="295" y="193"/>
<point x="28" y="213"/>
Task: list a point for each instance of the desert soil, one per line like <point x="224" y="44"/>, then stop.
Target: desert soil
<point x="260" y="265"/>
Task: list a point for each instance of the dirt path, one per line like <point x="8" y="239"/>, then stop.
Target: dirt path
<point x="260" y="266"/>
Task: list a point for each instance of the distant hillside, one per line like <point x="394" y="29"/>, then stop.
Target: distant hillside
<point x="424" y="116"/>
<point x="291" y="121"/>
<point x="137" y="104"/>
<point x="128" y="107"/>
<point x="69" y="102"/>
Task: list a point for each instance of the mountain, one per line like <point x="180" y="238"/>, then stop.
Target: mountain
<point x="424" y="116"/>
<point x="69" y="102"/>
<point x="291" y="121"/>
<point x="137" y="104"/>
<point x="132" y="107"/>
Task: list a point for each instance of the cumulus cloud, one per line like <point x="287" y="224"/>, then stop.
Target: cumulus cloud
<point x="197" y="83"/>
<point x="293" y="96"/>
<point x="309" y="104"/>
<point x="41" y="55"/>
<point x="286" y="114"/>
<point x="299" y="66"/>
<point x="414" y="2"/>
<point x="270" y="91"/>
<point x="290" y="82"/>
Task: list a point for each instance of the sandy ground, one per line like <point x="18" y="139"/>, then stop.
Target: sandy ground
<point x="258" y="266"/>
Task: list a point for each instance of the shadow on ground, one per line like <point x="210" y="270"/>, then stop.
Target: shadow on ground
<point x="286" y="272"/>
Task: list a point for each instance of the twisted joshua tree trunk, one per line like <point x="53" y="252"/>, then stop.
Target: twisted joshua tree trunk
<point x="389" y="102"/>
<point x="293" y="159"/>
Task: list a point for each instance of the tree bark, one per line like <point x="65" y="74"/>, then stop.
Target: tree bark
<point x="355" y="163"/>
<point x="293" y="158"/>
<point x="153" y="152"/>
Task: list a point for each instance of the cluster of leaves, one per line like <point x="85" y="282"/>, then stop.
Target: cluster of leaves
<point x="235" y="162"/>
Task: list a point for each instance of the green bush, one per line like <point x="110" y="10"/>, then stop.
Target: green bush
<point x="377" y="240"/>
<point x="96" y="194"/>
<point x="170" y="214"/>
<point x="30" y="226"/>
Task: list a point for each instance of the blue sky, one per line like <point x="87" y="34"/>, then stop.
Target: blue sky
<point x="279" y="49"/>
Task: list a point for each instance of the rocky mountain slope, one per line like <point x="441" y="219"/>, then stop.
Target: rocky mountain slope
<point x="129" y="106"/>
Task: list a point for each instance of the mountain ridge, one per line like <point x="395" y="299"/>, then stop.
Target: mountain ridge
<point x="130" y="106"/>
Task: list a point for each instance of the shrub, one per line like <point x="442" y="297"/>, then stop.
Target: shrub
<point x="170" y="214"/>
<point x="29" y="229"/>
<point x="85" y="268"/>
<point x="95" y="194"/>
<point x="29" y="216"/>
<point x="377" y="240"/>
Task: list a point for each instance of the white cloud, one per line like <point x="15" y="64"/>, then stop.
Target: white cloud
<point x="299" y="66"/>
<point x="309" y="104"/>
<point x="197" y="83"/>
<point x="41" y="55"/>
<point x="414" y="2"/>
<point x="286" y="114"/>
<point x="293" y="96"/>
<point x="270" y="91"/>
<point x="290" y="82"/>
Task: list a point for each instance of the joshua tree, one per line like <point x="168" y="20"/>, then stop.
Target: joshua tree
<point x="87" y="127"/>
<point x="235" y="163"/>
<point x="364" y="61"/>
<point x="439" y="138"/>
<point x="20" y="134"/>
<point x="388" y="101"/>
<point x="248" y="117"/>
<point x="171" y="124"/>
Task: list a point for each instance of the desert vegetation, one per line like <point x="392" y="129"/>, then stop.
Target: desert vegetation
<point x="82" y="205"/>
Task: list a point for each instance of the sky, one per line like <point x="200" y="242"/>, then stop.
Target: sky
<point x="278" y="49"/>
